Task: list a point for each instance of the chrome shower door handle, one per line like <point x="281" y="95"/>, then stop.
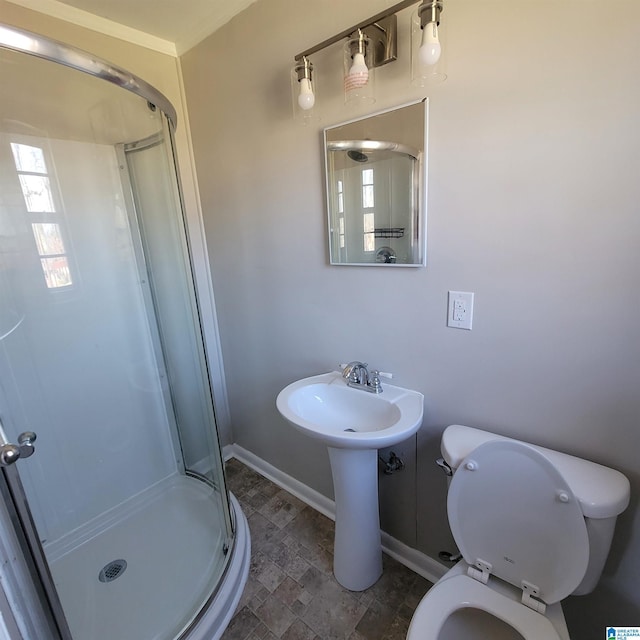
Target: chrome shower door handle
<point x="10" y="452"/>
<point x="25" y="443"/>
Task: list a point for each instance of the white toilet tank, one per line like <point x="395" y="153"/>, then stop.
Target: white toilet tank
<point x="603" y="493"/>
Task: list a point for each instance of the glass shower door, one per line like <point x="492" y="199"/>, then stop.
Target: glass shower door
<point x="101" y="355"/>
<point x="163" y="241"/>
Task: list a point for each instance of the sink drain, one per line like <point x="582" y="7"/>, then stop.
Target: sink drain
<point x="113" y="570"/>
<point x="351" y="430"/>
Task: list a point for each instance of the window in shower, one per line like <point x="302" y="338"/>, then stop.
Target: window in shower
<point x="46" y="221"/>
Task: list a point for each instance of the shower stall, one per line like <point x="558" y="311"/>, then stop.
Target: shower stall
<point x="119" y="526"/>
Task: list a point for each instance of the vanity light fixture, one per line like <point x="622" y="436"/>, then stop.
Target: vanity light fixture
<point x="371" y="44"/>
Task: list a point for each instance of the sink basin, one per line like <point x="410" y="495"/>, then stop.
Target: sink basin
<point x="325" y="408"/>
<point x="354" y="424"/>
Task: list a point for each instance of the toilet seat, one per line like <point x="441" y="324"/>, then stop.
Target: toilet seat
<point x="513" y="515"/>
<point x="459" y="592"/>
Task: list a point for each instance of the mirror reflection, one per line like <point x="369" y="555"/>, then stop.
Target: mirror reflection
<point x="375" y="171"/>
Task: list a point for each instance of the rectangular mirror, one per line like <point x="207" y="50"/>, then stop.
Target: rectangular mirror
<point x="376" y="175"/>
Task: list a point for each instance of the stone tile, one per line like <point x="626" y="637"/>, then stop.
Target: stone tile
<point x="377" y="619"/>
<point x="265" y="536"/>
<point x="406" y="612"/>
<point x="398" y="572"/>
<point x="311" y="528"/>
<point x="255" y="499"/>
<point x="397" y="630"/>
<point x="298" y="607"/>
<point x="287" y="559"/>
<point x="275" y="615"/>
<point x="280" y="510"/>
<point x="394" y="584"/>
<point x="262" y="632"/>
<point x="333" y="613"/>
<point x="417" y="592"/>
<point x="299" y="631"/>
<point x="262" y="529"/>
<point x="244" y="480"/>
<point x="258" y="598"/>
<point x="241" y="625"/>
<point x="296" y="502"/>
<point x="289" y="591"/>
<point x="231" y="468"/>
<point x="305" y="597"/>
<point x="247" y="509"/>
<point x="265" y="571"/>
<point x="319" y="557"/>
<point x="270" y="489"/>
<point x="253" y="592"/>
<point x="314" y="580"/>
<point x="366" y="597"/>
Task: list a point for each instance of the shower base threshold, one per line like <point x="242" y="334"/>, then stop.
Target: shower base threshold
<point x="147" y="576"/>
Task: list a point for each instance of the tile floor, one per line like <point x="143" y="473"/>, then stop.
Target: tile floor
<point x="291" y="592"/>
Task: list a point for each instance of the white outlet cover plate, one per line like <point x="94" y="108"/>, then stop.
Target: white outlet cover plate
<point x="460" y="310"/>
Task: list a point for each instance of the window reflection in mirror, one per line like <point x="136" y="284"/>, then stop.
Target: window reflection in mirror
<point x="376" y="177"/>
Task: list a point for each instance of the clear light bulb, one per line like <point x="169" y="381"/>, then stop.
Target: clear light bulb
<point x="358" y="75"/>
<point x="430" y="48"/>
<point x="306" y="99"/>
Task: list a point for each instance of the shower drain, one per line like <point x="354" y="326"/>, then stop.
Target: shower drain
<point x="112" y="570"/>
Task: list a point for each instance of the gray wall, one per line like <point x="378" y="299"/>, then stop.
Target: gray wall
<point x="533" y="205"/>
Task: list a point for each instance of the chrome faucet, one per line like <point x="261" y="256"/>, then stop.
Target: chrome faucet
<point x="357" y="376"/>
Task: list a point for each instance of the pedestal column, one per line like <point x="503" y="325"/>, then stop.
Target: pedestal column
<point x="357" y="562"/>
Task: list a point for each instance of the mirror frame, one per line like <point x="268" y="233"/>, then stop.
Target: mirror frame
<point x="420" y="243"/>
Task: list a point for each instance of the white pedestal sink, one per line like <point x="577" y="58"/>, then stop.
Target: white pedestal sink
<point x="354" y="424"/>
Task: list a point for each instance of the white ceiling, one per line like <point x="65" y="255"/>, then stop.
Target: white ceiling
<point x="179" y="24"/>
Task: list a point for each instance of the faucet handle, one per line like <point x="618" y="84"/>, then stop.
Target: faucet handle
<point x="374" y="381"/>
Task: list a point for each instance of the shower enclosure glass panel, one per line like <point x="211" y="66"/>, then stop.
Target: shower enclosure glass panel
<point x="163" y="244"/>
<point x="101" y="354"/>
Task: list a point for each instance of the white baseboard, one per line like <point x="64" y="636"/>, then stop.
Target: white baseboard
<point x="415" y="560"/>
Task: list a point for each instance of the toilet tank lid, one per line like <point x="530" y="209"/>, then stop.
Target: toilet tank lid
<point x="602" y="492"/>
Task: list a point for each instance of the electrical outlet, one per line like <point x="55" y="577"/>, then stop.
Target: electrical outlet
<point x="460" y="314"/>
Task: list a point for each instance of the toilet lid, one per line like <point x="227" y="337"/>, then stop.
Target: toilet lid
<point x="511" y="508"/>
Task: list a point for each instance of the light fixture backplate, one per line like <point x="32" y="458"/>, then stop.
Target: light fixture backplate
<point x="384" y="39"/>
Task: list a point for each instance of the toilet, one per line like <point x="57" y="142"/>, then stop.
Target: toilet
<point x="533" y="526"/>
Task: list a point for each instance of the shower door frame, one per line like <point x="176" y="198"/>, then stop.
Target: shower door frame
<point x="42" y="606"/>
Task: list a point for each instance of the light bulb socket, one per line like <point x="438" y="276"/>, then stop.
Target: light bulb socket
<point x="429" y="12"/>
<point x="304" y="69"/>
<point x="358" y="43"/>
